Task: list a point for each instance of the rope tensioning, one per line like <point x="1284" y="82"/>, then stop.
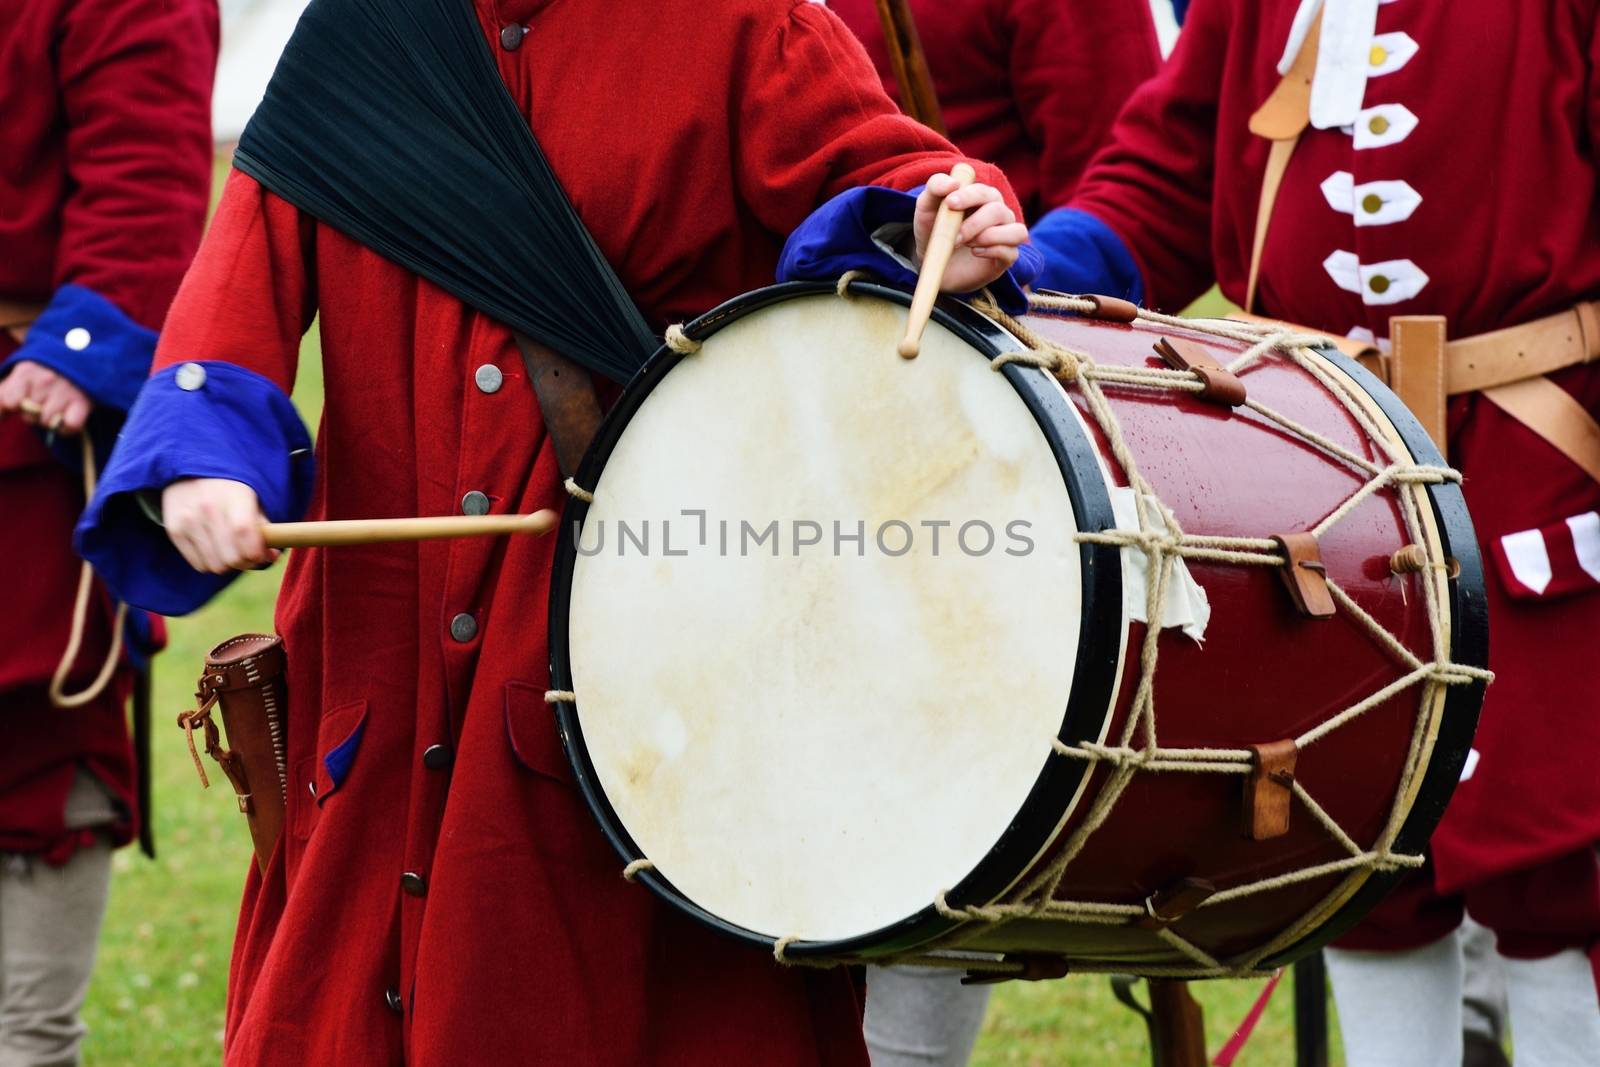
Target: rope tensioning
<point x="1163" y="545"/>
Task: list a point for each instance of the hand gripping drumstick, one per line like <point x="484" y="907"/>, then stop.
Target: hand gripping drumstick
<point x="376" y="531"/>
<point x="941" y="246"/>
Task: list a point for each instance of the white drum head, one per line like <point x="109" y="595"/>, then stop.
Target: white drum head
<point x="815" y="744"/>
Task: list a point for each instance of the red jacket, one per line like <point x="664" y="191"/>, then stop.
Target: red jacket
<point x="105" y="168"/>
<point x="691" y="140"/>
<point x="1031" y="85"/>
<point x="1468" y="188"/>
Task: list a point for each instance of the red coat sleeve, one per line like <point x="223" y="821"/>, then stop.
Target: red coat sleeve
<point x="1153" y="183"/>
<point x="251" y="294"/>
<point x="1073" y="64"/>
<point x="813" y="121"/>
<point x="135" y="82"/>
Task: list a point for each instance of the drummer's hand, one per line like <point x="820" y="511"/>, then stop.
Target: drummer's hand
<point x="216" y="524"/>
<point x="987" y="245"/>
<point x="44" y="398"/>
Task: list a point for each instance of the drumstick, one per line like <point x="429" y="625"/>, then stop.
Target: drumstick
<point x="375" y="531"/>
<point x="941" y="246"/>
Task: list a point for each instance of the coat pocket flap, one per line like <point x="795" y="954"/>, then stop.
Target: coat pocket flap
<point x="531" y="729"/>
<point x="338" y="739"/>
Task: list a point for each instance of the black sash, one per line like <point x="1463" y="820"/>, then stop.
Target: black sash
<point x="387" y="120"/>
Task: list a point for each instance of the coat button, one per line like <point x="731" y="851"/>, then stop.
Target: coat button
<point x="1372" y="203"/>
<point x="463" y="627"/>
<point x="488" y="378"/>
<point x="511" y="37"/>
<point x="1378" y="56"/>
<point x="437" y="757"/>
<point x="475" y="503"/>
<point x="1378" y="284"/>
<point x="414" y="884"/>
<point x="391" y="997"/>
<point x="190" y="376"/>
<point x="77" y="338"/>
<point x="1378" y="125"/>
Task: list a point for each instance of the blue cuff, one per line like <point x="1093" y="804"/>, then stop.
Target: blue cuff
<point x="222" y="422"/>
<point x="838" y="238"/>
<point x="1084" y="255"/>
<point x="87" y="340"/>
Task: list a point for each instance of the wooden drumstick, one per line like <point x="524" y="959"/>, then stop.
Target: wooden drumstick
<point x="941" y="246"/>
<point x="377" y="531"/>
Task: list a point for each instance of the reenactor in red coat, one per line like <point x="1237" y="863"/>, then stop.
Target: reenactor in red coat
<point x="1030" y="85"/>
<point x="105" y="168"/>
<point x="440" y="894"/>
<point x="1351" y="168"/>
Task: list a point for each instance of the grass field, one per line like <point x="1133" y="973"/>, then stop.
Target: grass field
<point x="158" y="994"/>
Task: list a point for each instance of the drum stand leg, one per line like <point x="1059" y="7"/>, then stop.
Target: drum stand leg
<point x="1174" y="1019"/>
<point x="1311" y="1012"/>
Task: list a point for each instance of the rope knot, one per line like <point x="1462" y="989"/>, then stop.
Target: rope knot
<point x="843" y="287"/>
<point x="681" y="342"/>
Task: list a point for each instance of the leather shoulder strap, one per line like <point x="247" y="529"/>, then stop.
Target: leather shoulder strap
<point x="1281" y="120"/>
<point x="1551" y="412"/>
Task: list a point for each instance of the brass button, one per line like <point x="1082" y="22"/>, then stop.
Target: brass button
<point x="1378" y="125"/>
<point x="1378" y="56"/>
<point x="1378" y="284"/>
<point x="489" y="378"/>
<point x="511" y="37"/>
<point x="437" y="757"/>
<point x="391" y="997"/>
<point x="1372" y="203"/>
<point x="463" y="627"/>
<point x="475" y="503"/>
<point x="414" y="884"/>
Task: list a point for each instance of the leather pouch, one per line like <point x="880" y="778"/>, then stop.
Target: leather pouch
<point x="245" y="678"/>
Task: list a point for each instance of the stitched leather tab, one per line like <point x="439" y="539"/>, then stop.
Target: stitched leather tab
<point x="1166" y="906"/>
<point x="1417" y="370"/>
<point x="1112" y="309"/>
<point x="1269" y="790"/>
<point x="1304" y="575"/>
<point x="1222" y="386"/>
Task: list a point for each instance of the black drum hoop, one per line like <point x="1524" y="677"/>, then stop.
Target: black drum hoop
<point x="1100" y="641"/>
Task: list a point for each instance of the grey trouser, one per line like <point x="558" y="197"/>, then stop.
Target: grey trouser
<point x="922" y="1016"/>
<point x="49" y="924"/>
<point x="1484" y="983"/>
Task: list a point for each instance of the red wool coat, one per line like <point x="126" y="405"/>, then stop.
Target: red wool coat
<point x="692" y="139"/>
<point x="1031" y="85"/>
<point x="105" y="169"/>
<point x="1469" y="185"/>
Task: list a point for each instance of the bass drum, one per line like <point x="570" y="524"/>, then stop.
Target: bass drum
<point x="849" y="652"/>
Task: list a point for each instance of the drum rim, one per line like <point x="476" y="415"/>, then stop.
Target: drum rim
<point x="1100" y="639"/>
<point x="1469" y="646"/>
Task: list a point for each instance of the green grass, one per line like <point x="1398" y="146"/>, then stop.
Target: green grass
<point x="158" y="994"/>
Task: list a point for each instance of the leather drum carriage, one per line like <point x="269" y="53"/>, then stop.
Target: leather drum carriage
<point x="1090" y="640"/>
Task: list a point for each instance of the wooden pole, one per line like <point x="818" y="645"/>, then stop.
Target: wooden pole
<point x="377" y="531"/>
<point x="1177" y="1027"/>
<point x="917" y="95"/>
<point x="941" y="246"/>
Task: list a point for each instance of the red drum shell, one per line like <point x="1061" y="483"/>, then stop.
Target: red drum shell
<point x="1265" y="672"/>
